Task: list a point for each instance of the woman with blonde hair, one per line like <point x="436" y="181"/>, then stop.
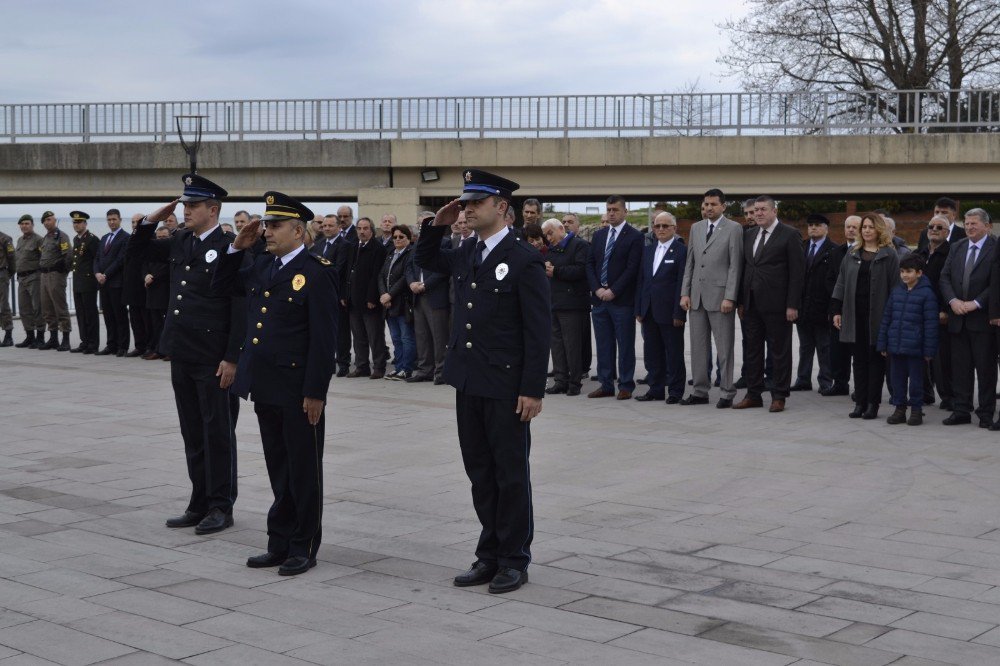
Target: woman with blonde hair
<point x="868" y="274"/>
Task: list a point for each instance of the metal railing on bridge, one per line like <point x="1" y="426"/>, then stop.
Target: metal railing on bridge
<point x="689" y="114"/>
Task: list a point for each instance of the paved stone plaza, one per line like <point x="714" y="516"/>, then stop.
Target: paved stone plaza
<point x="665" y="535"/>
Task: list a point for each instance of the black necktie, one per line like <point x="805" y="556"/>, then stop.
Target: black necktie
<point x="711" y="229"/>
<point x="275" y="266"/>
<point x="760" y="245"/>
<point x="812" y="253"/>
<point x="477" y="260"/>
<point x="194" y="244"/>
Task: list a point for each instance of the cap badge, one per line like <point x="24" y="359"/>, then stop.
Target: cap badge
<point x="210" y="256"/>
<point x="298" y="281"/>
<point x="502" y="270"/>
<point x="189" y="180"/>
<point x="468" y="176"/>
<point x="270" y="200"/>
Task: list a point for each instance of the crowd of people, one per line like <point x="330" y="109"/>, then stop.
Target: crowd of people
<point x="862" y="307"/>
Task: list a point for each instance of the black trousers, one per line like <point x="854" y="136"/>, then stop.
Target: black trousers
<point x="814" y="341"/>
<point x="663" y="350"/>
<point x="568" y="330"/>
<point x="208" y="426"/>
<point x="115" y="318"/>
<point x="154" y="324"/>
<point x="495" y="447"/>
<point x="974" y="356"/>
<point x="140" y="333"/>
<point x="343" y="338"/>
<point x="937" y="374"/>
<point x="86" y="319"/>
<point x="293" y="452"/>
<point x="368" y="331"/>
<point x="587" y="350"/>
<point x="774" y="330"/>
<point x="840" y="359"/>
<point x="869" y="373"/>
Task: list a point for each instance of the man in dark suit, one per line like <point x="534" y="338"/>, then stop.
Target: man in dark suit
<point x="201" y="335"/>
<point x="430" y="316"/>
<point x="937" y="373"/>
<point x="840" y="352"/>
<point x="497" y="359"/>
<point x="134" y="296"/>
<point x="571" y="223"/>
<point x="615" y="254"/>
<point x="774" y="269"/>
<point x="947" y="208"/>
<point x="566" y="268"/>
<point x="965" y="287"/>
<point x="814" y="318"/>
<point x="658" y="309"/>
<point x="109" y="267"/>
<point x="361" y="299"/>
<point x="343" y="247"/>
<point x="285" y="367"/>
<point x="85" y="248"/>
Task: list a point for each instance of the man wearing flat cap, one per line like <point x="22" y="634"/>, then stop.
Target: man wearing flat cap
<point x="813" y="324"/>
<point x="201" y="335"/>
<point x="497" y="361"/>
<point x="288" y="358"/>
<point x="85" y="248"/>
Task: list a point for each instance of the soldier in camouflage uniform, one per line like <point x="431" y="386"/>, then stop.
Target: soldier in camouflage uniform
<point x="29" y="295"/>
<point x="8" y="266"/>
<point x="53" y="264"/>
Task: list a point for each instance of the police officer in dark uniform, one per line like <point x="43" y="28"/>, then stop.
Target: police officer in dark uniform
<point x="287" y="360"/>
<point x="201" y="335"/>
<point x="497" y="361"/>
<point x="85" y="287"/>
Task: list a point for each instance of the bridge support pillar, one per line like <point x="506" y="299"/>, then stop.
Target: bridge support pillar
<point x="403" y="202"/>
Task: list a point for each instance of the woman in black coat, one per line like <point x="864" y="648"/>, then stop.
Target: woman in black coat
<point x="397" y="299"/>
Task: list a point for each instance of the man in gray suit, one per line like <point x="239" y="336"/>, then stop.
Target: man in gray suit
<point x="708" y="293"/>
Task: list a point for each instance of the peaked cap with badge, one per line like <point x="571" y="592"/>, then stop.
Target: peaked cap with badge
<point x="482" y="184"/>
<point x="78" y="216"/>
<point x="283" y="207"/>
<point x="199" y="188"/>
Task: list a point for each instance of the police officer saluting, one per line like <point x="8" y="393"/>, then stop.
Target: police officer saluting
<point x="497" y="361"/>
<point x="85" y="247"/>
<point x="287" y="360"/>
<point x="201" y="335"/>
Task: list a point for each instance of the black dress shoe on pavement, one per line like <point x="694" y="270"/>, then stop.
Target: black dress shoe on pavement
<point x="646" y="397"/>
<point x="293" y="566"/>
<point x="572" y="391"/>
<point x="696" y="400"/>
<point x="479" y="573"/>
<point x="801" y="387"/>
<point x="189" y="519"/>
<point x="121" y="354"/>
<point x="265" y="560"/>
<point x="343" y="372"/>
<point x="741" y="383"/>
<point x="89" y="350"/>
<point x="416" y="379"/>
<point x="957" y="419"/>
<point x="555" y="388"/>
<point x="438" y="381"/>
<point x="507" y="580"/>
<point x="834" y="390"/>
<point x="134" y="353"/>
<point x="216" y="521"/>
<point x="673" y="400"/>
<point x="724" y="403"/>
<point x="985" y="423"/>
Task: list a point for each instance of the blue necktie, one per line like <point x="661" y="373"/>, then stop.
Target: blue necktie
<point x="477" y="260"/>
<point x="275" y="266"/>
<point x="607" y="257"/>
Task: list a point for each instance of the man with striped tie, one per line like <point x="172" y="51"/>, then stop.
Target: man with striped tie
<point x="612" y="269"/>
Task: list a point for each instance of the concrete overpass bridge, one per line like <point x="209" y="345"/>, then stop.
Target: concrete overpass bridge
<point x="401" y="154"/>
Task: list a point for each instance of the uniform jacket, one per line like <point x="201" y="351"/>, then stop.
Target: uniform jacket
<point x="56" y="252"/>
<point x="202" y="326"/>
<point x="910" y="321"/>
<point x="775" y="277"/>
<point x="8" y="261"/>
<point x="979" y="284"/>
<point x="435" y="284"/>
<point x="289" y="341"/>
<point x="713" y="267"/>
<point x="85" y="250"/>
<point x="502" y="323"/>
<point x="394" y="283"/>
<point x="884" y="278"/>
<point x="362" y="277"/>
<point x="818" y="287"/>
<point x="568" y="284"/>
<point x="110" y="260"/>
<point x="659" y="296"/>
<point x="27" y="251"/>
<point x="623" y="267"/>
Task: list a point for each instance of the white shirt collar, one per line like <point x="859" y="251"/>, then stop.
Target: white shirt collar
<point x="978" y="244"/>
<point x="291" y="255"/>
<point x="207" y="233"/>
<point x="494" y="240"/>
<point x="771" y="228"/>
<point x="666" y="245"/>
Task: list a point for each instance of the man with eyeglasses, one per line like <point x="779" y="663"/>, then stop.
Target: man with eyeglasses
<point x="937" y="374"/>
<point x="947" y="208"/>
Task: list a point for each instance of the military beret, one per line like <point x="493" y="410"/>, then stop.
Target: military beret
<point x="25" y="217"/>
<point x="47" y="213"/>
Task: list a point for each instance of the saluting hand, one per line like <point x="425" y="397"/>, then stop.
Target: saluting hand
<point x="313" y="408"/>
<point x="226" y="373"/>
<point x="249" y="234"/>
<point x="160" y="214"/>
<point x="528" y="407"/>
<point x="448" y="214"/>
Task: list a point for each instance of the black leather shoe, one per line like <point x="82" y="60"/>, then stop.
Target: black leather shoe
<point x="800" y="387"/>
<point x="134" y="353"/>
<point x="78" y="350"/>
<point x="555" y="388"/>
<point x="265" y="560"/>
<point x="985" y="423"/>
<point x="416" y="379"/>
<point x="438" y="381"/>
<point x="479" y="573"/>
<point x="673" y="400"/>
<point x="859" y="410"/>
<point x="724" y="403"/>
<point x="189" y="519"/>
<point x="573" y="391"/>
<point x="695" y="400"/>
<point x="507" y="580"/>
<point x="343" y="372"/>
<point x="995" y="427"/>
<point x="296" y="565"/>
<point x="870" y="413"/>
<point x="741" y="383"/>
<point x="121" y="353"/>
<point x="216" y="521"/>
<point x="646" y="397"/>
<point x="834" y="390"/>
<point x="957" y="419"/>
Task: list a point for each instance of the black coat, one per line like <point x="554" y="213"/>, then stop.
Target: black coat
<point x="289" y="339"/>
<point x="984" y="276"/>
<point x="362" y="276"/>
<point x="502" y="323"/>
<point x="775" y="277"/>
<point x="395" y="284"/>
<point x="818" y="286"/>
<point x="110" y="260"/>
<point x="435" y="284"/>
<point x="202" y="326"/>
<point x="133" y="285"/>
<point x="158" y="292"/>
<point x="623" y="266"/>
<point x="934" y="265"/>
<point x="85" y="250"/>
<point x="568" y="284"/>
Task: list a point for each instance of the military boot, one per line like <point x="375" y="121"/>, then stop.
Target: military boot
<point x="53" y="342"/>
<point x="65" y="342"/>
<point x="29" y="341"/>
<point x="8" y="339"/>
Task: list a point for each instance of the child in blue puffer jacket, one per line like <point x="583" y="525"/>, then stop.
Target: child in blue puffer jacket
<point x="909" y="337"/>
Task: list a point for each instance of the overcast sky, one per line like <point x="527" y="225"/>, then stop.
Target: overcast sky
<point x="113" y="50"/>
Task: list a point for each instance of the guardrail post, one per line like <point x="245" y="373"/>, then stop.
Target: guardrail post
<point x="163" y="122"/>
<point x="319" y="131"/>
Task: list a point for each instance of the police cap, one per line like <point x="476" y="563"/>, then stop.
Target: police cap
<point x="482" y="184"/>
